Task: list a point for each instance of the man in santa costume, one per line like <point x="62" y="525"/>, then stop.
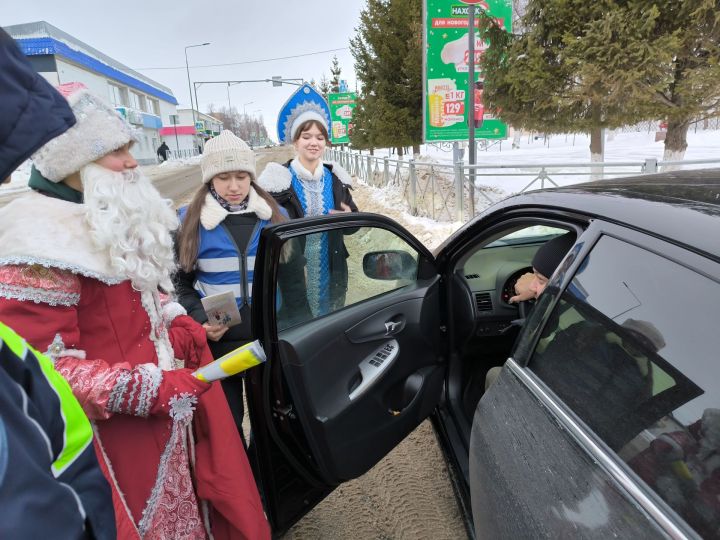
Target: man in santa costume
<point x="85" y="265"/>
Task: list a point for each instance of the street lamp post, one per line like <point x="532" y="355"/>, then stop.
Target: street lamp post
<point x="187" y="68"/>
<point x="245" y="105"/>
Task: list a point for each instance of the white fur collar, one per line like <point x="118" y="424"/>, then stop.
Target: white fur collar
<point x="340" y="172"/>
<point x="276" y="177"/>
<point x="306" y="175"/>
<point x="37" y="229"/>
<point x="212" y="214"/>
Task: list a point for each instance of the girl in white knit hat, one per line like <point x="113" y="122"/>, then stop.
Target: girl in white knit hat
<point x="217" y="244"/>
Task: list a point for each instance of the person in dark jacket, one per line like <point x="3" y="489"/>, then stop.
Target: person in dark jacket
<point x="217" y="244"/>
<point x="163" y="151"/>
<point x="305" y="186"/>
<point x="49" y="475"/>
<point x="32" y="111"/>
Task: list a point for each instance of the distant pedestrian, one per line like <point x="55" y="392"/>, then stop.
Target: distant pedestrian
<point x="163" y="151"/>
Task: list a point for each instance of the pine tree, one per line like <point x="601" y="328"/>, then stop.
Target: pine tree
<point x="584" y="66"/>
<point x="387" y="49"/>
<point x="335" y="71"/>
<point x="324" y="86"/>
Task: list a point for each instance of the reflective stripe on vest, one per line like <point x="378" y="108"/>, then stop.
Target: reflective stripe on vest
<point x="77" y="432"/>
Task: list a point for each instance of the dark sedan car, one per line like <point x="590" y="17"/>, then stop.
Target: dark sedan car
<point x="605" y="419"/>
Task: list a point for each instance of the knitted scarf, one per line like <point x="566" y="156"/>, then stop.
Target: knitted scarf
<point x="225" y="204"/>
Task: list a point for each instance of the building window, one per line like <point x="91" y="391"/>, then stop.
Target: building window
<point x="118" y="95"/>
<point x="153" y="106"/>
<point x="137" y="101"/>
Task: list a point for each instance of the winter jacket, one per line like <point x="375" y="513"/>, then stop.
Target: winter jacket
<point x="276" y="179"/>
<point x="226" y="261"/>
<point x="49" y="475"/>
<point x="32" y="111"/>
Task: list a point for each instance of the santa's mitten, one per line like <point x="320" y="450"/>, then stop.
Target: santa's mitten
<point x="189" y="342"/>
<point x="180" y="383"/>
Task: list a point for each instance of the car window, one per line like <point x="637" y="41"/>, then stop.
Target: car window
<point x="632" y="348"/>
<point x="528" y="235"/>
<point x="339" y="268"/>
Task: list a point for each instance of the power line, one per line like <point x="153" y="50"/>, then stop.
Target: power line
<point x="247" y="61"/>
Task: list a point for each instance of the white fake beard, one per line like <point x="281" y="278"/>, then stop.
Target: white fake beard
<point x="130" y="221"/>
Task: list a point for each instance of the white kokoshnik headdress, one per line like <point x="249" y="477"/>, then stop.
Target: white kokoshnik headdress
<point x="305" y="104"/>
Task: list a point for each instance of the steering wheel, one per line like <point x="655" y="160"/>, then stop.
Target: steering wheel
<point x="524" y="308"/>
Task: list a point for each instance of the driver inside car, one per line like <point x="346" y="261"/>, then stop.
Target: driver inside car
<point x="544" y="263"/>
<point x="529" y="286"/>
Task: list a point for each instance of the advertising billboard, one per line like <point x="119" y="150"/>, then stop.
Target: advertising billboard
<point x="342" y="106"/>
<point x="446" y="68"/>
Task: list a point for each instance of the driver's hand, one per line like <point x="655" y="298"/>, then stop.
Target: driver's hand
<point x="522" y="288"/>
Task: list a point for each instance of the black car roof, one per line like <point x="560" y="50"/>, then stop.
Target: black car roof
<point x="681" y="206"/>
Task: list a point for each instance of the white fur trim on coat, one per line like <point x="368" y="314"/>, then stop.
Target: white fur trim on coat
<point x="341" y="173"/>
<point x="170" y="311"/>
<point x="276" y="177"/>
<point x="212" y="214"/>
<point x="37" y="229"/>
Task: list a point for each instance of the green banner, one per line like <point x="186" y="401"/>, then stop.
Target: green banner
<point x="446" y="70"/>
<point x="342" y="106"/>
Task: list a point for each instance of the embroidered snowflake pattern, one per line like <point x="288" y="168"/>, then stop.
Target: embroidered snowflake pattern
<point x="55" y="348"/>
<point x="182" y="406"/>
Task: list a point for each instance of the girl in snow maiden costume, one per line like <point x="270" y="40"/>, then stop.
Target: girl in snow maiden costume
<point x="217" y="244"/>
<point x="306" y="186"/>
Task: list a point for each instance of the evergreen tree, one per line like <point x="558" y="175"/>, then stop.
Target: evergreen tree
<point x="324" y="86"/>
<point x="387" y="49"/>
<point x="335" y="71"/>
<point x="583" y="66"/>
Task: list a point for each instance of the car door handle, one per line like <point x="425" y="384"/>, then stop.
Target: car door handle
<point x="392" y="326"/>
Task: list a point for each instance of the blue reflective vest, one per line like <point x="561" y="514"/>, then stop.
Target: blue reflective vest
<point x="222" y="265"/>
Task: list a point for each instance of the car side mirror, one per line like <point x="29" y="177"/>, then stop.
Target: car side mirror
<point x="389" y="265"/>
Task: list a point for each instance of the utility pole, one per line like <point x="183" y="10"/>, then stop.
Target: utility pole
<point x="471" y="106"/>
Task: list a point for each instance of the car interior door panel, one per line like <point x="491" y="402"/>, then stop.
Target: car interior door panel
<point x="354" y="372"/>
<point x="351" y="381"/>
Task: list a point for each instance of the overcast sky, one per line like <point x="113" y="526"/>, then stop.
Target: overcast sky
<point x="153" y="34"/>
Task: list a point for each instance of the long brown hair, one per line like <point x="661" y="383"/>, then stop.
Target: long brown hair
<point x="189" y="234"/>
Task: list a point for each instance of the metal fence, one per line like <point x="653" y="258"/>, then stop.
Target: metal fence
<point x="183" y="154"/>
<point x="457" y="192"/>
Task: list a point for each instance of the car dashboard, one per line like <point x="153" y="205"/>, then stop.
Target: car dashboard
<point x="489" y="275"/>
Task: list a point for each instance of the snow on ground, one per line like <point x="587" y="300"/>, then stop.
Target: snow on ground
<point x="389" y="202"/>
<point x="523" y="163"/>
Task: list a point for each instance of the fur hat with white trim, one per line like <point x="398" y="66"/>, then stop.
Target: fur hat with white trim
<point x="99" y="130"/>
<point x="226" y="153"/>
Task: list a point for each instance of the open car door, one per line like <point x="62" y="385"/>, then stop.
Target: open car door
<point x="355" y="356"/>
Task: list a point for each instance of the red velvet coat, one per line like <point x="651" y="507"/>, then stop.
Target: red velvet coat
<point x="108" y="326"/>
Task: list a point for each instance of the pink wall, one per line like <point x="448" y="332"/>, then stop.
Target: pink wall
<point x="181" y="130"/>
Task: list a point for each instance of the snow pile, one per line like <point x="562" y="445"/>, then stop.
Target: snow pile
<point x="390" y="202"/>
